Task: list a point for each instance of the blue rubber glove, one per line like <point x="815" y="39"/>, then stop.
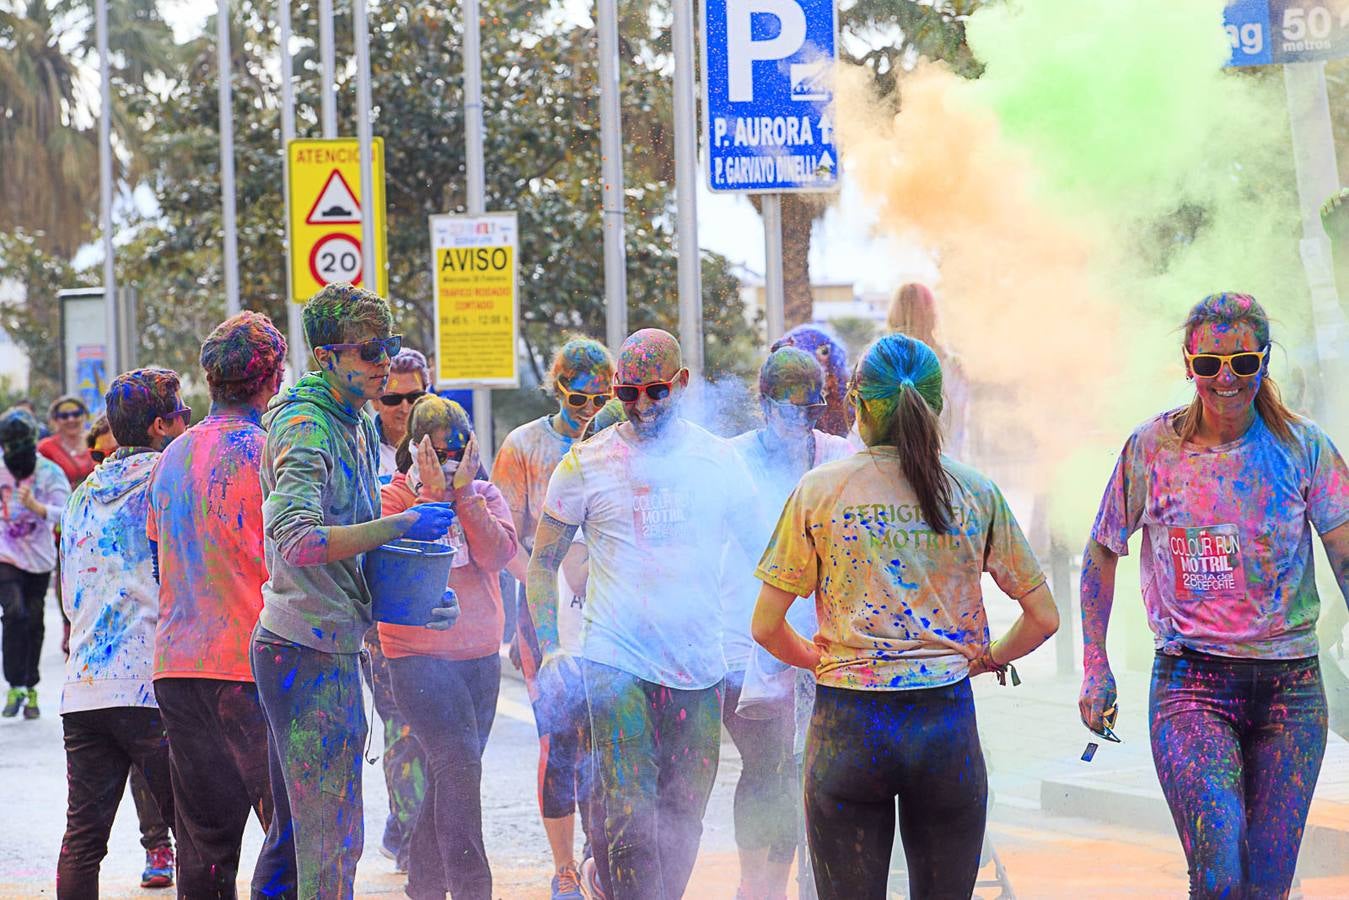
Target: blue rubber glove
<point x="444" y="617"/>
<point x="433" y="521"/>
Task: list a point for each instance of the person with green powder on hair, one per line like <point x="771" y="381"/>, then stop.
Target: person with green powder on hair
<point x="762" y="722"/>
<point x="893" y="542"/>
<point x="320" y="516"/>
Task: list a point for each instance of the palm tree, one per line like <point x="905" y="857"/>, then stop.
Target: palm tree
<point x="48" y="152"/>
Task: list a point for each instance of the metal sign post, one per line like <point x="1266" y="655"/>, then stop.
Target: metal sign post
<point x="361" y="35"/>
<point x="1301" y="35"/>
<point x="105" y="187"/>
<point x="611" y="173"/>
<point x="226" y="101"/>
<point x="476" y="193"/>
<point x="328" y="80"/>
<point x="299" y="355"/>
<point x="774" y="295"/>
<point x="686" y="197"/>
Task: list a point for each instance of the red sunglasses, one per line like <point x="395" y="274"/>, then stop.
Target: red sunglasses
<point x="655" y="390"/>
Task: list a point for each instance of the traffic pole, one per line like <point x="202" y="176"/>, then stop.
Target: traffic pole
<point x="690" y="279"/>
<point x="105" y="189"/>
<point x="774" y="294"/>
<point x="476" y="189"/>
<point x="611" y="173"/>
<point x="299" y="355"/>
<point x="361" y="35"/>
<point x="230" y="255"/>
<point x="328" y="85"/>
<point x="1317" y="179"/>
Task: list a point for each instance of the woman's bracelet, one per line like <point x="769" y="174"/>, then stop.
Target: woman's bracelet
<point x="1001" y="670"/>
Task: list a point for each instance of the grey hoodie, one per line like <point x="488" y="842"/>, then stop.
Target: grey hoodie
<point x="319" y="468"/>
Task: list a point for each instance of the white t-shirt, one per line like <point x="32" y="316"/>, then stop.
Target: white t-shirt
<point x="740" y="589"/>
<point x="656" y="519"/>
<point x="570" y="604"/>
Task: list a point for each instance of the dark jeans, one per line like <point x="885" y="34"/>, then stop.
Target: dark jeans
<point x="1238" y="746"/>
<point x="450" y="706"/>
<point x="765" y="794"/>
<point x="218" y="762"/>
<point x="154" y="828"/>
<point x="21" y="601"/>
<point x="102" y="746"/>
<point x="404" y="766"/>
<point x="656" y="753"/>
<point x="867" y="749"/>
<point x="316" y="731"/>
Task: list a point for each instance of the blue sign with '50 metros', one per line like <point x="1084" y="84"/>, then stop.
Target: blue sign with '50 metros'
<point x="1262" y="32"/>
<point x="768" y="95"/>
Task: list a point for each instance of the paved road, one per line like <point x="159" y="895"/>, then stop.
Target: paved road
<point x="1027" y="738"/>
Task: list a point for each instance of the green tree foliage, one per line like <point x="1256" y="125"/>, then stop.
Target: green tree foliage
<point x="542" y="153"/>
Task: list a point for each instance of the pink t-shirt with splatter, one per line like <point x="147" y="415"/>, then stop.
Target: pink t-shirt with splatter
<point x="1227" y="545"/>
<point x="206" y="514"/>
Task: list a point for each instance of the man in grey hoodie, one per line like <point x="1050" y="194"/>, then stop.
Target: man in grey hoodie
<point x="320" y="516"/>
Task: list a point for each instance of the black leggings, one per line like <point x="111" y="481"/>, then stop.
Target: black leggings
<point x="864" y="750"/>
<point x="765" y="794"/>
<point x="21" y="597"/>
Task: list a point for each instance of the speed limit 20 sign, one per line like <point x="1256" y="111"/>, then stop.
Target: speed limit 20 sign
<point x="325" y="211"/>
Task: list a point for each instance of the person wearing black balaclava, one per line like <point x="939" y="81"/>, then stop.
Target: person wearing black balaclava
<point x="33" y="494"/>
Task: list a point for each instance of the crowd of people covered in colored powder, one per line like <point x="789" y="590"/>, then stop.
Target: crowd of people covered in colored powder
<point x="813" y="585"/>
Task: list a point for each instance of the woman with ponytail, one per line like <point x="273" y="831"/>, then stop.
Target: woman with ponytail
<point x="892" y="542"/>
<point x="1227" y="492"/>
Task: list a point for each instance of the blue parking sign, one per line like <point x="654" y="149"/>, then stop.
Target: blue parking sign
<point x="768" y="69"/>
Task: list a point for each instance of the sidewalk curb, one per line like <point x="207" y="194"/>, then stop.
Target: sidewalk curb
<point x="1325" y="844"/>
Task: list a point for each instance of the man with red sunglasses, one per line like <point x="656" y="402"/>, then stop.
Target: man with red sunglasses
<point x="658" y="498"/>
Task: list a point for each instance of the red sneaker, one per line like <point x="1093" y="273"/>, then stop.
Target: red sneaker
<point x="158" y="868"/>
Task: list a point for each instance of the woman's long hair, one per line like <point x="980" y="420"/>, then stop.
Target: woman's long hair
<point x="900" y="379"/>
<point x="430" y="413"/>
<point x="1231" y="309"/>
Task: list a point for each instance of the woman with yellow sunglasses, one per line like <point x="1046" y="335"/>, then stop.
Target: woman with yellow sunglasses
<point x="1227" y="492"/>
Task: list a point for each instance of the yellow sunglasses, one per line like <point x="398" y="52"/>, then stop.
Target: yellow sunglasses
<point x="577" y="399"/>
<point x="1243" y="364"/>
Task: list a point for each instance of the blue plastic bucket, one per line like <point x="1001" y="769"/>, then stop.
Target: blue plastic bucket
<point x="407" y="580"/>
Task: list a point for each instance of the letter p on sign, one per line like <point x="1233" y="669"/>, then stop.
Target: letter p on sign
<point x="742" y="50"/>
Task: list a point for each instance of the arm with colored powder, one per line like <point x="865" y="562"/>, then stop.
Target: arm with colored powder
<point x="551" y="541"/>
<point x="1336" y="543"/>
<point x="775" y="634"/>
<point x="292" y="514"/>
<point x="508" y="475"/>
<point x="1038" y="621"/>
<point x="1097" y="596"/>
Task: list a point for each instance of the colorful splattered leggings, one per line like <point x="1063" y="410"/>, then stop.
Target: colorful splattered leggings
<point x="656" y="753"/>
<point x="450" y="706"/>
<point x="316" y="732"/>
<point x="766" y="799"/>
<point x="864" y="750"/>
<point x="1238" y="746"/>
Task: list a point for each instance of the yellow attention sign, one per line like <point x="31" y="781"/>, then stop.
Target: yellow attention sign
<point x="325" y="210"/>
<point x="477" y="308"/>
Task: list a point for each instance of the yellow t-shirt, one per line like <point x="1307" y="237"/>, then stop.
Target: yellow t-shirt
<point x="895" y="599"/>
